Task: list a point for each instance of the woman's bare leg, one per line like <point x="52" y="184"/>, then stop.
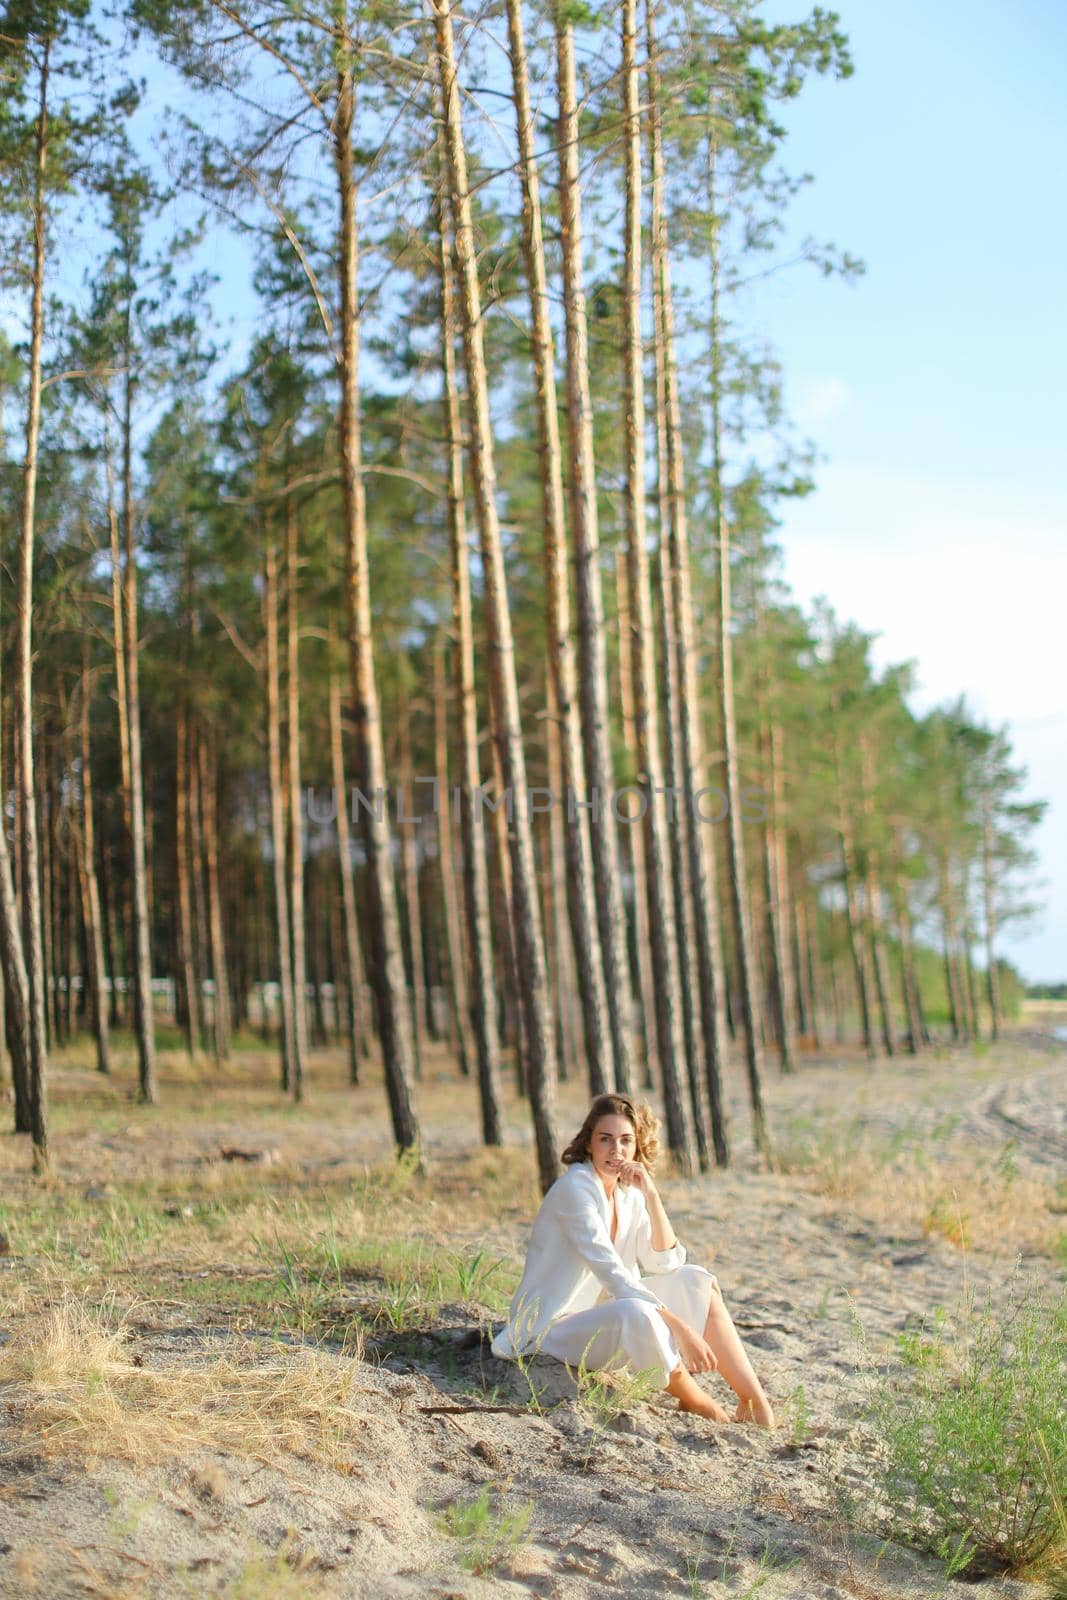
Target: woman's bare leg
<point x="735" y="1366"/>
<point x="691" y="1397"/>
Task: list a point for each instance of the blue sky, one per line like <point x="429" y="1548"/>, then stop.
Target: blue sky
<point x="935" y="386"/>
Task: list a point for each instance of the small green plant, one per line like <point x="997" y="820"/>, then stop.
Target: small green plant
<point x="800" y="1412"/>
<point x="125" y="1516"/>
<point x="488" y="1534"/>
<point x="606" y="1394"/>
<point x="473" y="1273"/>
<point x="975" y="1432"/>
<point x="694" y="1563"/>
<point x="822" y="1310"/>
<point x="767" y="1564"/>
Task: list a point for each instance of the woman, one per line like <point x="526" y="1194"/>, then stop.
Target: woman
<point x="605" y="1279"/>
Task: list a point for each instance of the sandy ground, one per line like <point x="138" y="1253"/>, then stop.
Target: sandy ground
<point x="646" y="1504"/>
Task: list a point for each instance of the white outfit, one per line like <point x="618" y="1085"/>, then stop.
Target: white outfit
<point x="584" y="1297"/>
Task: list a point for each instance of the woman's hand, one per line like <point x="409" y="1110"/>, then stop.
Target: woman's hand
<point x="636" y="1176"/>
<point x="695" y="1351"/>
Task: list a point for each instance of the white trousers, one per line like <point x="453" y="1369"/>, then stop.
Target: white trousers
<point x="631" y="1333"/>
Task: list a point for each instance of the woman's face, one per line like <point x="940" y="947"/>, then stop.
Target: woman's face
<point x="611" y="1142"/>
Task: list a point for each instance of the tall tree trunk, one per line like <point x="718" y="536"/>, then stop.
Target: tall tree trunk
<point x="208" y="773"/>
<point x="90" y="887"/>
<point x="112" y="942"/>
<point x="606" y="1066"/>
<point x="277" y="816"/>
<point x="16" y="987"/>
<point x="585" y="534"/>
<point x="533" y="977"/>
<point x="394" y="1012"/>
<point x="636" y="835"/>
<point x="189" y="1009"/>
<point x="15" y="1013"/>
<point x="857" y="939"/>
<point x="880" y="960"/>
<point x="992" y="972"/>
<point x="950" y="929"/>
<point x="36" y="1083"/>
<point x="971" y="989"/>
<point x="44" y="791"/>
<point x="681" y="819"/>
<point x="457" y="971"/>
<point x="803" y="1000"/>
<point x="808" y="964"/>
<point x="298" y="921"/>
<point x="318" y="922"/>
<point x="909" y="981"/>
<point x="513" y="1025"/>
<point x="661" y="907"/>
<point x="711" y="972"/>
<point x="144" y="1020"/>
<point x="836" y="1002"/>
<point x="776" y="888"/>
<point x="874" y="902"/>
<point x="483" y="1013"/>
<point x="196" y="872"/>
<point x="409" y="852"/>
<point x="74" y="963"/>
<point x="569" y="1045"/>
<point x="357" y="1022"/>
<point x="735" y="838"/>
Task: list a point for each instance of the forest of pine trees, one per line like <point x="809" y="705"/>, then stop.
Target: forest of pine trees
<point x="412" y="663"/>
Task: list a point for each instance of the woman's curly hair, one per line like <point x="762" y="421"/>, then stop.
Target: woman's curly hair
<point x="645" y="1126"/>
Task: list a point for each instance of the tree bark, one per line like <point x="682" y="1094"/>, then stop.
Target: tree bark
<point x="90" y="887"/>
<point x="15" y="1017"/>
<point x="483" y="1013"/>
<point x="277" y="815"/>
<point x="681" y="818"/>
<point x="457" y="972"/>
<point x="44" y="790"/>
<point x="711" y="970"/>
<point x="298" y="921"/>
<point x="856" y="932"/>
<point x="144" y="1020"/>
<point x="776" y="881"/>
<point x="357" y="1025"/>
<point x="36" y="1078"/>
<point x="989" y="908"/>
<point x="585" y="534"/>
<point x="580" y="899"/>
<point x="394" y="1013"/>
<point x="661" y="907"/>
<point x="409" y="852"/>
<point x="735" y="838"/>
<point x="636" y="836"/>
<point x="190" y="986"/>
<point x="208" y="774"/>
<point x="908" y="975"/>
<point x="533" y="978"/>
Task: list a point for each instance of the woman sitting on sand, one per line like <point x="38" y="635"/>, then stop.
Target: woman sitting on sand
<point x="606" y="1281"/>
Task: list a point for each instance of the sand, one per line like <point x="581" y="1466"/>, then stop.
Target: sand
<point x="820" y="1279"/>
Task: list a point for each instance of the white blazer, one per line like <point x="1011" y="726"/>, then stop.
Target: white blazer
<point x="571" y="1262"/>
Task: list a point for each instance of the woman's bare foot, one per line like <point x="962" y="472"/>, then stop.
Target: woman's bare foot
<point x="755" y="1410"/>
<point x="691" y="1397"/>
<point x="705" y="1406"/>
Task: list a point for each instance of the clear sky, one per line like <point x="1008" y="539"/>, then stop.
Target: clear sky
<point x="936" y="385"/>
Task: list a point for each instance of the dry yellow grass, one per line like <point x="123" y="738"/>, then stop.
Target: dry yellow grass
<point x="70" y="1379"/>
<point x="983" y="1205"/>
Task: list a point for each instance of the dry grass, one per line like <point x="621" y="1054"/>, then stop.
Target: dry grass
<point x="981" y="1203"/>
<point x="71" y="1380"/>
